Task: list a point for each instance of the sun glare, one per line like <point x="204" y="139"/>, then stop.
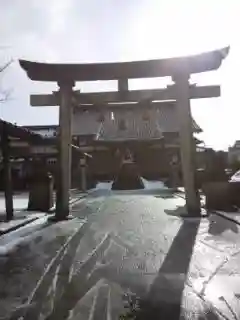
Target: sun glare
<point x="174" y="27"/>
<point x="162" y="29"/>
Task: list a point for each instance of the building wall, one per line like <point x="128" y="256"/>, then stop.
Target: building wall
<point x="233" y="155"/>
<point x="103" y="163"/>
<point x="152" y="163"/>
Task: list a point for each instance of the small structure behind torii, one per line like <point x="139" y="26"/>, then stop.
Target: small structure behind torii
<point x="7" y="131"/>
<point x="179" y="69"/>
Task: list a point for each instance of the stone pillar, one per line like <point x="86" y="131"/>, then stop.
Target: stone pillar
<point x="182" y="95"/>
<point x="64" y="159"/>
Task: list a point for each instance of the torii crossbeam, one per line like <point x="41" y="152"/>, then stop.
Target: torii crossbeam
<point x="179" y="69"/>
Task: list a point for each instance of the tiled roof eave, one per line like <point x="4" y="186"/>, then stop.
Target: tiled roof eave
<point x="19" y="132"/>
<point x="129" y="139"/>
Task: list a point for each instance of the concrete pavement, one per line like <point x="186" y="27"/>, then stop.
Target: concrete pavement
<point x="125" y="256"/>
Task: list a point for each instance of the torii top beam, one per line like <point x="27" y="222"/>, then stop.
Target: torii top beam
<point x="207" y="61"/>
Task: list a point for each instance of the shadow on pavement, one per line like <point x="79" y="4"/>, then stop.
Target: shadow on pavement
<point x="164" y="299"/>
<point x="178" y="212"/>
<point x="218" y="225"/>
<point x="165" y="196"/>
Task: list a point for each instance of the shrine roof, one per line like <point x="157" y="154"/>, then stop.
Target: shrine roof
<point x="22" y="133"/>
<point x="41" y="127"/>
<point x="129" y="125"/>
<point x="45" y="131"/>
<point x="198" y="63"/>
<point x="104" y="125"/>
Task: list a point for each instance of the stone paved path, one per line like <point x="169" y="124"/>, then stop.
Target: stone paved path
<point x="125" y="256"/>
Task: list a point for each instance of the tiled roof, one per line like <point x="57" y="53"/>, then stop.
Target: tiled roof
<point x="19" y="132"/>
<point x="132" y="125"/>
<point x="168" y="119"/>
<point x="41" y="127"/>
<point x="237" y="144"/>
<point x="85" y="122"/>
<point x="45" y="131"/>
<point x="125" y="124"/>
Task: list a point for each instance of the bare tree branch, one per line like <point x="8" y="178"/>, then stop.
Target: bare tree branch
<point x="5" y="94"/>
<point x="5" y="66"/>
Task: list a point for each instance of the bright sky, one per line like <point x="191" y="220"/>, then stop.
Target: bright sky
<point x="114" y="30"/>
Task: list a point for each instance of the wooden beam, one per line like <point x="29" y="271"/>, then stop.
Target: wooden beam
<point x="43" y="100"/>
<point x="124" y="70"/>
<point x="43" y="149"/>
<point x="93" y="148"/>
<point x="18" y="144"/>
<point x="7" y="173"/>
<point x="165" y="94"/>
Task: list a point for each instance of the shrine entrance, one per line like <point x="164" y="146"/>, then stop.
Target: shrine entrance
<point x="179" y="69"/>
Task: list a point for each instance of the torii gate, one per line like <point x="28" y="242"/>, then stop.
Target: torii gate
<point x="179" y="69"/>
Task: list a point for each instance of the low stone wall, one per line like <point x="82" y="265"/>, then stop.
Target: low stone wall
<point x="222" y="195"/>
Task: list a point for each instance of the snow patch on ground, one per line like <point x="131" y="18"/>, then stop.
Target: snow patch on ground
<point x="20" y="201"/>
<point x="148" y="185"/>
<point x="9" y="241"/>
<point x="104" y="185"/>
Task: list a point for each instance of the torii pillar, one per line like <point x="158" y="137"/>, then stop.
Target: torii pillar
<point x="65" y="153"/>
<point x="187" y="146"/>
